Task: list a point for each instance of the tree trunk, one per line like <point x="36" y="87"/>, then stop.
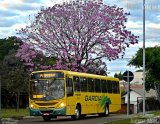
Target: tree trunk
<point x="17" y="100"/>
<point x="157" y="89"/>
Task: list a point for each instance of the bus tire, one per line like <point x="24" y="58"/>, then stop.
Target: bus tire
<point x="106" y="111"/>
<point x="83" y="116"/>
<point x="46" y="118"/>
<point x="77" y="115"/>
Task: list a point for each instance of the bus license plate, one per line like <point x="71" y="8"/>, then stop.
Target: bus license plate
<point x="45" y="113"/>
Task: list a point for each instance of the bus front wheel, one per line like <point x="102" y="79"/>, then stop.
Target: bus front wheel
<point x="77" y="113"/>
<point x="46" y="118"/>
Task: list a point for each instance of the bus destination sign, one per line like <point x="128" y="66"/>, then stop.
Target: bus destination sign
<point x="47" y="75"/>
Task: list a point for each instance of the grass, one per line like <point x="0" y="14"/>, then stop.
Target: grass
<point x="133" y="120"/>
<point x="156" y="113"/>
<point x="11" y="113"/>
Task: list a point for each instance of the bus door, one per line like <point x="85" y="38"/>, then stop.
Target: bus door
<point x="70" y="96"/>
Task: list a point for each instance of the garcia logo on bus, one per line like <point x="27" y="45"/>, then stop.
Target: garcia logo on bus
<point x="92" y="98"/>
<point x="102" y="100"/>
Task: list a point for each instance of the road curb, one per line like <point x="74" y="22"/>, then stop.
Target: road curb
<point x="16" y="118"/>
<point x="28" y="117"/>
<point x="8" y="121"/>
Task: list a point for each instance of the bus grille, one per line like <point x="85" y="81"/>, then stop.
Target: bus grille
<point x="49" y="111"/>
<point x="46" y="104"/>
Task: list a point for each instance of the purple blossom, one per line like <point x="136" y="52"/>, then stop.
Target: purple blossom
<point x="79" y="35"/>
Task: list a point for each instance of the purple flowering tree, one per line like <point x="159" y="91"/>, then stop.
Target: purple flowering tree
<point x="33" y="59"/>
<point x="81" y="35"/>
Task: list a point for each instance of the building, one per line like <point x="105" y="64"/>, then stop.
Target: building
<point x="136" y="95"/>
<point x="138" y="78"/>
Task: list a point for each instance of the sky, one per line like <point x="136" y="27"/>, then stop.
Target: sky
<point x="19" y="13"/>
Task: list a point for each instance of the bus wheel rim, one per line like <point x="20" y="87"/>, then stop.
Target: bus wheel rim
<point x="106" y="110"/>
<point x="77" y="113"/>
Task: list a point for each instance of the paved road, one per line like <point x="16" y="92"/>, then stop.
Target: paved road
<point x="91" y="119"/>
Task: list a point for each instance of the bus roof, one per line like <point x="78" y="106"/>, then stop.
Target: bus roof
<point x="77" y="73"/>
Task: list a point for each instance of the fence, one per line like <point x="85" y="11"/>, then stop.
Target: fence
<point x="151" y="104"/>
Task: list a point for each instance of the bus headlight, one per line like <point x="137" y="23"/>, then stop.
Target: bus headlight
<point x="32" y="106"/>
<point x="62" y="105"/>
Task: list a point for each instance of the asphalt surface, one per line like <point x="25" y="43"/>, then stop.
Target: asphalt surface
<point x="91" y="119"/>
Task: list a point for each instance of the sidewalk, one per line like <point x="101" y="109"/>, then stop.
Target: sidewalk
<point x="137" y="118"/>
<point x="149" y="120"/>
<point x="8" y="121"/>
<point x="145" y="119"/>
<point x="13" y="120"/>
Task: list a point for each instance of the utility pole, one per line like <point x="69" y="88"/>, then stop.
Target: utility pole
<point x="128" y="102"/>
<point x="0" y="99"/>
<point x="128" y="76"/>
<point x="144" y="57"/>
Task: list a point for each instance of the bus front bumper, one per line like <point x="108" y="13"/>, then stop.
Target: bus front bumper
<point x="50" y="112"/>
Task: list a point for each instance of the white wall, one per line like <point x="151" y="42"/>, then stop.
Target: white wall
<point x="137" y="78"/>
<point x="133" y="99"/>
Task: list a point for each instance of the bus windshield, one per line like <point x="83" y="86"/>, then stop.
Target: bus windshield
<point x="48" y="89"/>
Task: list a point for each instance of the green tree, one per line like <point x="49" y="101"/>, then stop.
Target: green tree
<point x="119" y="75"/>
<point x="12" y="70"/>
<point x="7" y="44"/>
<point x="8" y="61"/>
<point x="152" y="59"/>
<point x="14" y="75"/>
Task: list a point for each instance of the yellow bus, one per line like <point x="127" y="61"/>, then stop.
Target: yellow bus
<point x="55" y="93"/>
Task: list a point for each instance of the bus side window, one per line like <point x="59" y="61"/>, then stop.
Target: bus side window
<point x="90" y="85"/>
<point x="115" y="87"/>
<point x="69" y="86"/>
<point x="103" y="86"/>
<point x="97" y="85"/>
<point x="76" y="84"/>
<point x="109" y="86"/>
<point x="83" y="82"/>
<point x="118" y="90"/>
